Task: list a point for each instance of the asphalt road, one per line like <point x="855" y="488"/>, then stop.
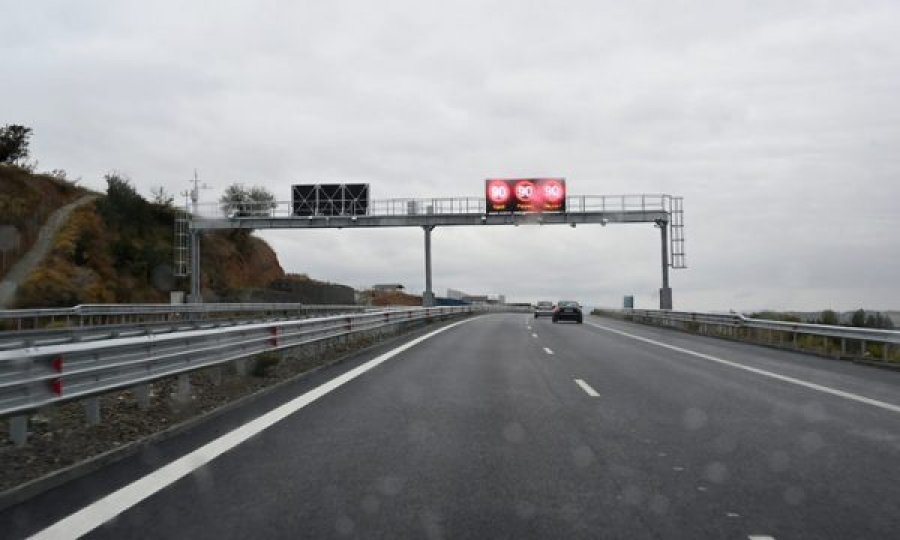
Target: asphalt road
<point x="511" y="427"/>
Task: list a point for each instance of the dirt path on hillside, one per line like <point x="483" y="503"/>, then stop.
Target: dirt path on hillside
<point x="20" y="271"/>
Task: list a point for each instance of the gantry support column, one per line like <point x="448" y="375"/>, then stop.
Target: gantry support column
<point x="428" y="295"/>
<point x="665" y="293"/>
<point x="195" y="268"/>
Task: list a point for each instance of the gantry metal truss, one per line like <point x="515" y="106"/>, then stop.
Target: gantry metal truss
<point x="665" y="211"/>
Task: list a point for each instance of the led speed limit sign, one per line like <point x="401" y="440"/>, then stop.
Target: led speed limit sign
<point x="525" y="195"/>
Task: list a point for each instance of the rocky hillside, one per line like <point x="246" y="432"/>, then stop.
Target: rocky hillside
<point x="119" y="250"/>
<point x="26" y="200"/>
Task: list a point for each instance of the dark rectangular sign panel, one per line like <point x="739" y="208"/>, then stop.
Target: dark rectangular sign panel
<point x="330" y="199"/>
<point x="525" y="195"/>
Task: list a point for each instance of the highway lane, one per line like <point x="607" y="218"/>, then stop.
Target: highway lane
<point x="508" y="426"/>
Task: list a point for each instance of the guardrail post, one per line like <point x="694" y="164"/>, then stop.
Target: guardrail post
<point x="18" y="429"/>
<point x="142" y="396"/>
<point x="92" y="410"/>
<point x="215" y="376"/>
<point x="242" y="367"/>
<point x="885" y="351"/>
<point x="182" y="393"/>
<point x="843" y="347"/>
<point x="863" y="349"/>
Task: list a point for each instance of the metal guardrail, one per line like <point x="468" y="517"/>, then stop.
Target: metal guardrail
<point x="87" y="311"/>
<point x="736" y="325"/>
<point x="31" y="378"/>
<point x="35" y="327"/>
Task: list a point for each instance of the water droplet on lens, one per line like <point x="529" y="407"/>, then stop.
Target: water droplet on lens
<point x="371" y="504"/>
<point x="811" y="442"/>
<point x="659" y="504"/>
<point x="583" y="456"/>
<point x="725" y="443"/>
<point x="779" y="461"/>
<point x="514" y="432"/>
<point x="794" y="495"/>
<point x="632" y="495"/>
<point x="814" y="412"/>
<point x="716" y="472"/>
<point x="525" y="509"/>
<point x="390" y="485"/>
<point x="344" y="526"/>
<point x="694" y="419"/>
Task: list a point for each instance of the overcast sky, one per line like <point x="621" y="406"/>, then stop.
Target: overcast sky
<point x="779" y="123"/>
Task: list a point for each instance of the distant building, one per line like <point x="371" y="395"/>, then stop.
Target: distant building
<point x="453" y="294"/>
<point x="388" y="287"/>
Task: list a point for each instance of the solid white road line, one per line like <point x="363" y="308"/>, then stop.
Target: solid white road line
<point x="784" y="378"/>
<point x="547" y="350"/>
<point x="92" y="516"/>
<point x="587" y="388"/>
<point x="760" y="537"/>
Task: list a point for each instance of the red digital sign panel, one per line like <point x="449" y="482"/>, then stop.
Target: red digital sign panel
<point x="525" y="195"/>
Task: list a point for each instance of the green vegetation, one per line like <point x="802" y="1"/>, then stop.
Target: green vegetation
<point x="26" y="201"/>
<point x="120" y="250"/>
<point x="238" y="201"/>
<point x="14" y="141"/>
<point x="829" y="317"/>
<point x="859" y="318"/>
<point x="774" y="316"/>
<point x="116" y="250"/>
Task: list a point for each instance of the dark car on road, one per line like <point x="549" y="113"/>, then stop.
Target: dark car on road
<point x="543" y="309"/>
<point x="567" y="310"/>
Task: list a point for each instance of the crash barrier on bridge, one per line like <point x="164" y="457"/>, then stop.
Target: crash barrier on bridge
<point x="864" y="344"/>
<point x="35" y="327"/>
<point x="34" y="377"/>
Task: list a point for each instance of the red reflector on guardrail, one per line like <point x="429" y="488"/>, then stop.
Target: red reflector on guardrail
<point x="57" y="364"/>
<point x="57" y="386"/>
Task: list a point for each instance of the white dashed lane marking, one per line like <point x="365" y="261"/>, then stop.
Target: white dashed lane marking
<point x="547" y="350"/>
<point x="587" y="388"/>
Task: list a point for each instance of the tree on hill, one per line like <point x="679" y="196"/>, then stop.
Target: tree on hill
<point x="161" y="197"/>
<point x="858" y="318"/>
<point x="14" y="140"/>
<point x="829" y="316"/>
<point x="239" y="201"/>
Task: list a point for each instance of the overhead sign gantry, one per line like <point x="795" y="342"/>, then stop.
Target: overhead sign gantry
<point x="539" y="201"/>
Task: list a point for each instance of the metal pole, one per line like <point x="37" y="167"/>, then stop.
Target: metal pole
<point x="665" y="293"/>
<point x="195" y="268"/>
<point x="428" y="296"/>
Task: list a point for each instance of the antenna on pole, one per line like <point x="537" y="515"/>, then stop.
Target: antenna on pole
<point x="195" y="192"/>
